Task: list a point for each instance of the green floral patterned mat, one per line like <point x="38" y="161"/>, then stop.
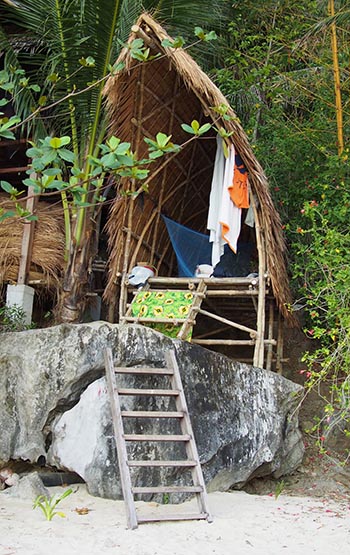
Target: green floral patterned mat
<point x="163" y="304"/>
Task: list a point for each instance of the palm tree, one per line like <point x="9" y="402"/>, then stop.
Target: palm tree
<point x="70" y="47"/>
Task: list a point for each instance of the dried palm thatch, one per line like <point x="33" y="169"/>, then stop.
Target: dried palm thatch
<point x="159" y="95"/>
<point x="48" y="246"/>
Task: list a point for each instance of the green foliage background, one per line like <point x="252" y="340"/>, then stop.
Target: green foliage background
<point x="279" y="77"/>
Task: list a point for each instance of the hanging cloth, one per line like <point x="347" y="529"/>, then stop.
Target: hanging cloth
<point x="230" y="214"/>
<point x="213" y="223"/>
<point x="239" y="189"/>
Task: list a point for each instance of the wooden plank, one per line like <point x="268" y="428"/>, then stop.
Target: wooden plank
<point x="165" y="392"/>
<point x="151" y="414"/>
<point x="179" y="464"/>
<point x="150" y="371"/>
<point x="153" y="320"/>
<point x="165" y="518"/>
<point x="156" y="437"/>
<point x="120" y="444"/>
<point x="167" y="489"/>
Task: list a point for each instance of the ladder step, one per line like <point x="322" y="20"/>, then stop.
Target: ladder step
<point x="179" y="464"/>
<point x="168" y="489"/>
<point x="150" y="371"/>
<point x="165" y="392"/>
<point x="164" y="518"/>
<point x="151" y="414"/>
<point x="158" y="437"/>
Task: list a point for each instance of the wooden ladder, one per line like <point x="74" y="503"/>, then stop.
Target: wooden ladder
<point x="192" y="462"/>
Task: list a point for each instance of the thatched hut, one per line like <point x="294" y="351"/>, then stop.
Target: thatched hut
<point x="159" y="96"/>
<point x="46" y="262"/>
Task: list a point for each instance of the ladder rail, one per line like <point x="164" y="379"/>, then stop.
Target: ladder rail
<point x="120" y="443"/>
<point x="186" y="427"/>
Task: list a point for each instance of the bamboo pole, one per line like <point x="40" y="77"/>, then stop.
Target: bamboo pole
<point x="270" y="336"/>
<point x="27" y="240"/>
<point x="336" y="73"/>
<point x="164" y="180"/>
<point x="131" y="205"/>
<point x="260" y="321"/>
<point x="279" y="355"/>
<point x="228" y="322"/>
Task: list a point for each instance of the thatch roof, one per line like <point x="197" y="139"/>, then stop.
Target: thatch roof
<point x="48" y="245"/>
<point x="159" y="95"/>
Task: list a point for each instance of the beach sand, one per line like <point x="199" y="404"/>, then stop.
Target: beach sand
<point x="242" y="524"/>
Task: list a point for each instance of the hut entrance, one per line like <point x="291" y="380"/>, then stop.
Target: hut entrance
<point x="239" y="313"/>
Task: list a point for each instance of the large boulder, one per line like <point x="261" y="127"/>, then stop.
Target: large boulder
<point x="54" y="406"/>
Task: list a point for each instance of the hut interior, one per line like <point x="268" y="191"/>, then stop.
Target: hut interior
<point x="241" y="312"/>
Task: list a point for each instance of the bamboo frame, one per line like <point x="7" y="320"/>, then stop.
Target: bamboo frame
<point x="259" y="346"/>
<point x="270" y="335"/>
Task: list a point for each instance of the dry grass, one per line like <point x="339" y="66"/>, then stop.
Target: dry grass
<point x="48" y="246"/>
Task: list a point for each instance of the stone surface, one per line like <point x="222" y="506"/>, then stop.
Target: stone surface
<point x="54" y="406"/>
<point x="28" y="487"/>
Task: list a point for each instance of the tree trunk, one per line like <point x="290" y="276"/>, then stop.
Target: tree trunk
<point x="76" y="281"/>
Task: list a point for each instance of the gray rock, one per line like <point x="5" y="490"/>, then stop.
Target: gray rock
<point x="28" y="487"/>
<point x="53" y="404"/>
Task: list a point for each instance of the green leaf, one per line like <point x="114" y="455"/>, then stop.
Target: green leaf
<point x="7" y="214"/>
<point x="7" y="135"/>
<point x="178" y="42"/>
<point x="52" y="171"/>
<point x="87" y="62"/>
<point x="48" y="158"/>
<point x="8" y="188"/>
<point x="114" y="69"/>
<point x="55" y="142"/>
<point x="66" y="155"/>
<point x="162" y="139"/>
<point x="204" y="128"/>
<point x="198" y="31"/>
<point x="156" y="154"/>
<point x="53" y="77"/>
<point x="187" y="128"/>
<point x="42" y="100"/>
<point x="9" y="123"/>
<point x="113" y="142"/>
<point x="34" y="152"/>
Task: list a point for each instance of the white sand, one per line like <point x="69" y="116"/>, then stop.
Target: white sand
<point x="242" y="524"/>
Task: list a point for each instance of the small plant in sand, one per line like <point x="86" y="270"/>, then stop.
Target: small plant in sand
<point x="48" y="504"/>
<point x="279" y="488"/>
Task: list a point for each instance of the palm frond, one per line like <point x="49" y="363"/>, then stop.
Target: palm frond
<point x="24" y="101"/>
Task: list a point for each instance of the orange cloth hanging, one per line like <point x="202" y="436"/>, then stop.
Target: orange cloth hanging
<point x="239" y="193"/>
